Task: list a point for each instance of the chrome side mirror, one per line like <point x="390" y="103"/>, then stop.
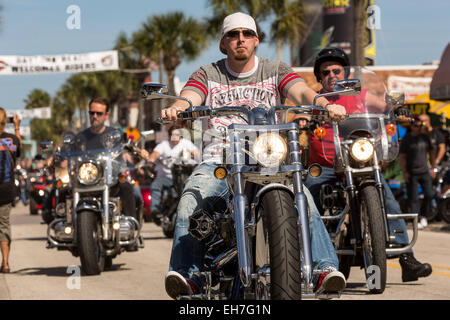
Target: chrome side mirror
<point x="152" y="90"/>
<point x="349" y="87"/>
<point x="395" y="98"/>
<point x="68" y="139"/>
<point x="46" y="146"/>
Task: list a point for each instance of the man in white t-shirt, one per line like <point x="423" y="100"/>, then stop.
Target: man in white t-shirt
<point x="168" y="152"/>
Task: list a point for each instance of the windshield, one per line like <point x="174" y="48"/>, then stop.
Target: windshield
<point x="369" y="116"/>
<point x="105" y="151"/>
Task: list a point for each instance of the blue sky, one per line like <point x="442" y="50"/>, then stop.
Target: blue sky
<point x="412" y="32"/>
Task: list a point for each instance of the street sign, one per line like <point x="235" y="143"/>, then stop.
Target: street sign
<point x="37" y="113"/>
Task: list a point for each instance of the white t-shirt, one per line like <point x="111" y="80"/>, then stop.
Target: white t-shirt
<point x="170" y="154"/>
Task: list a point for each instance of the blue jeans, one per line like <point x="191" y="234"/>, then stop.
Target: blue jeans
<point x="392" y="207"/>
<point x="203" y="190"/>
<point x="413" y="195"/>
<point x="156" y="191"/>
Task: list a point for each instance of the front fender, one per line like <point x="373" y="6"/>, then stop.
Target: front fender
<point x="88" y="205"/>
<point x="270" y="187"/>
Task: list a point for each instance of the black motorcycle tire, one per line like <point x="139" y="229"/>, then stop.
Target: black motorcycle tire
<point x="169" y="229"/>
<point x="444" y="209"/>
<point x="373" y="235"/>
<point x="47" y="217"/>
<point x="33" y="210"/>
<point x="91" y="251"/>
<point x="282" y="238"/>
<point x="108" y="262"/>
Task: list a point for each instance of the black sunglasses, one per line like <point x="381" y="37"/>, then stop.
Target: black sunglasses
<point x="327" y="72"/>
<point x="235" y="34"/>
<point x="97" y="113"/>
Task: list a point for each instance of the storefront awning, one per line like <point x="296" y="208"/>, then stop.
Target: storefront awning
<point x="423" y="104"/>
<point x="440" y="84"/>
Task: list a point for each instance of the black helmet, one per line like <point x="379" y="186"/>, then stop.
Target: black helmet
<point x="330" y="54"/>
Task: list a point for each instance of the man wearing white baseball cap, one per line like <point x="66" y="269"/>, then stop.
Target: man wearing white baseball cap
<point x="242" y="78"/>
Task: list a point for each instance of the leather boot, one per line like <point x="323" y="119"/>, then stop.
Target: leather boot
<point x="413" y="269"/>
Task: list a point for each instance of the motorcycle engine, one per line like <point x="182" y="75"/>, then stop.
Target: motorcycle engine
<point x="201" y="225"/>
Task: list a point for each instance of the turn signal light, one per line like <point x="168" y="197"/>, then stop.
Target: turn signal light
<point x="320" y="133"/>
<point x="220" y="173"/>
<point x="315" y="170"/>
<point x="391" y="129"/>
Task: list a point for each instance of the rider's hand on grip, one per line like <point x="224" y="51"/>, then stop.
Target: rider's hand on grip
<point x="336" y="112"/>
<point x="170" y="113"/>
<point x="403" y="114"/>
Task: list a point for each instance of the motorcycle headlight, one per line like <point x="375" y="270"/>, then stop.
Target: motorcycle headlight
<point x="362" y="150"/>
<point x="63" y="175"/>
<point x="270" y="149"/>
<point x="88" y="173"/>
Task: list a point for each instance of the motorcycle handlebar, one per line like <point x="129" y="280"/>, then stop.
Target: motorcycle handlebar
<point x="205" y="111"/>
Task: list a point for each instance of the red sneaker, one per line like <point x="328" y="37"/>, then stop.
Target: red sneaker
<point x="177" y="285"/>
<point x="331" y="282"/>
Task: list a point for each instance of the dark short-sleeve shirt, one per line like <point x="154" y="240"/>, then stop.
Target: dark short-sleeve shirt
<point x="436" y="138"/>
<point x="9" y="152"/>
<point x="416" y="149"/>
<point x="92" y="140"/>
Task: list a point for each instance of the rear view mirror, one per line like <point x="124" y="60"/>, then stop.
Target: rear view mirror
<point x="152" y="90"/>
<point x="68" y="139"/>
<point x="349" y="87"/>
<point x="395" y="98"/>
<point x="46" y="146"/>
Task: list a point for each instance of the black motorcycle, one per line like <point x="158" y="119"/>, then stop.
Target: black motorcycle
<point x="38" y="189"/>
<point x="170" y="196"/>
<point x="89" y="220"/>
<point x="258" y="245"/>
<point x="354" y="205"/>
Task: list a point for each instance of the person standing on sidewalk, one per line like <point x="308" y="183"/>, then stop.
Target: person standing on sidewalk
<point x="436" y="138"/>
<point x="414" y="165"/>
<point x="10" y="146"/>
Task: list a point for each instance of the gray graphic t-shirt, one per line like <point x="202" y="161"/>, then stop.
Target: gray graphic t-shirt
<point x="266" y="85"/>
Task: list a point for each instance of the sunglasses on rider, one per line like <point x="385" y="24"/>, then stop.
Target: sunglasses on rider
<point x="234" y="34"/>
<point x="327" y="72"/>
<point x="97" y="113"/>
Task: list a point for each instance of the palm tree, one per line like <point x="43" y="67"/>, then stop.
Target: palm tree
<point x="259" y="10"/>
<point x="40" y="128"/>
<point x="173" y="37"/>
<point x="288" y="26"/>
<point x="66" y="98"/>
<point x="131" y="59"/>
<point x="359" y="32"/>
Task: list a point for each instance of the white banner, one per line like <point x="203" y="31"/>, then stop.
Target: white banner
<point x="24" y="130"/>
<point x="37" y="113"/>
<point x="84" y="62"/>
<point x="411" y="86"/>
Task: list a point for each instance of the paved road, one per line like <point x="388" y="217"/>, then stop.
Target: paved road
<point x="40" y="273"/>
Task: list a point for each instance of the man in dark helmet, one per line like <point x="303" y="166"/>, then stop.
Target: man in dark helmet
<point x="332" y="65"/>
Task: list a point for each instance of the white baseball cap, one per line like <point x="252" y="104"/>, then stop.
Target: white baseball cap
<point x="237" y="20"/>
